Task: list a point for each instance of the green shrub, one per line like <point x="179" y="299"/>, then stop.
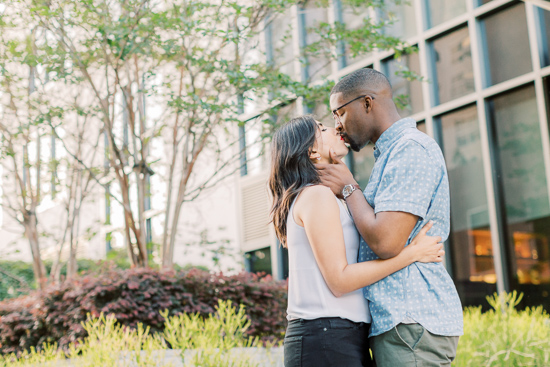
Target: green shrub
<point x="504" y="336"/>
<point x="111" y="344"/>
<point x="136" y="296"/>
<point x="16" y="279"/>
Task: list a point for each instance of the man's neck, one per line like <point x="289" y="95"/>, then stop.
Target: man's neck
<point x="384" y="125"/>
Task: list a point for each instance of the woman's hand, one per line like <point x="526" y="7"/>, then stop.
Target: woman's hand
<point x="424" y="248"/>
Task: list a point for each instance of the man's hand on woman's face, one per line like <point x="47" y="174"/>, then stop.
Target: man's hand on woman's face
<point x="335" y="175"/>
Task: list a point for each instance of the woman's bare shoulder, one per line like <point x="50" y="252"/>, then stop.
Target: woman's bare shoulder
<point x="316" y="196"/>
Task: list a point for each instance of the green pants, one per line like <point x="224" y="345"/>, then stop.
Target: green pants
<point x="412" y="345"/>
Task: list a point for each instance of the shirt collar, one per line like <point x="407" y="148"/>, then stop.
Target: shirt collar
<point x="391" y="134"/>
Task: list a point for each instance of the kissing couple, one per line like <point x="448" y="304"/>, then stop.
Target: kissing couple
<point x="365" y="267"/>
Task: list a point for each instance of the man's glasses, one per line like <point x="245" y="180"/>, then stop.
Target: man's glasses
<point x="337" y="116"/>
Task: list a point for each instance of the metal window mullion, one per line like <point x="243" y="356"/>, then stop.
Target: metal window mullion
<point x="508" y="85"/>
<point x="479" y="67"/>
<point x="490" y="6"/>
<point x="296" y="42"/>
<point x="421" y="23"/>
<point x="376" y="53"/>
<point x="335" y="15"/>
<point x="539" y="90"/>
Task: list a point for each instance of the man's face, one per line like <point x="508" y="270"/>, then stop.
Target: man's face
<point x="352" y="121"/>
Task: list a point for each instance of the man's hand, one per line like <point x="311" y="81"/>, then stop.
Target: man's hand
<point x="335" y="175"/>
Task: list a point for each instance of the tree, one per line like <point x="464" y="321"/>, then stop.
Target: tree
<point x="197" y="62"/>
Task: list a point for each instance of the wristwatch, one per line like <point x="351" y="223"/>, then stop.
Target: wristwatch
<point x="349" y="189"/>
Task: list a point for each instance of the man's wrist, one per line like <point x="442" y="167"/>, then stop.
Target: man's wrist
<point x="348" y="189"/>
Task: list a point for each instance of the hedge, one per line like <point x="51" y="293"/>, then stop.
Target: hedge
<point x="137" y="296"/>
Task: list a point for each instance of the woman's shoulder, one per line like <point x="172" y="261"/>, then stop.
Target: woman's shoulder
<point x="316" y="195"/>
<point x="317" y="205"/>
<point x="318" y="191"/>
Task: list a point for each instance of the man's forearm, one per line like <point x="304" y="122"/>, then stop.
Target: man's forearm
<point x="379" y="240"/>
<point x="364" y="218"/>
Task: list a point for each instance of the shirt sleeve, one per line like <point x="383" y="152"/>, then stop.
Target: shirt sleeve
<point x="409" y="180"/>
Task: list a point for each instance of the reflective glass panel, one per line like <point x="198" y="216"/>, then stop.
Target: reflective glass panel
<point x="402" y="18"/>
<point x="483" y="2"/>
<point x="507" y="44"/>
<point x="453" y="62"/>
<point x="363" y="162"/>
<point x="313" y="14"/>
<point x="544" y="42"/>
<point x="421" y="125"/>
<point x="470" y="239"/>
<point x="258" y="260"/>
<point x="354" y="17"/>
<point x="440" y="11"/>
<point x="408" y="94"/>
<point x="281" y="38"/>
<point x="522" y="176"/>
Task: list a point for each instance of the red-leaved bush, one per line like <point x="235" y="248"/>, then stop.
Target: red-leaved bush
<point x="137" y="295"/>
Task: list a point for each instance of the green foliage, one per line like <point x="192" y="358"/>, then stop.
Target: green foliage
<point x="17" y="277"/>
<point x="136" y="296"/>
<point x="213" y="341"/>
<point x="214" y="338"/>
<point x="504" y="336"/>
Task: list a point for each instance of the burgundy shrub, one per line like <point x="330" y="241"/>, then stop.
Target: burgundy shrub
<point x="138" y="295"/>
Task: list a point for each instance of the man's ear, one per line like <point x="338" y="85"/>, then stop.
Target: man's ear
<point x="368" y="104"/>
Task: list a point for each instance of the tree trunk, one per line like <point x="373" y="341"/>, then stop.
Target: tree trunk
<point x="72" y="265"/>
<point x="31" y="231"/>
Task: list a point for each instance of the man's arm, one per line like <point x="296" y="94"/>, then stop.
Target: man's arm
<point x="388" y="230"/>
<point x="385" y="232"/>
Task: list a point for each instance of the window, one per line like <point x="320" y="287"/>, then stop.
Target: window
<point x="403" y="19"/>
<point x="312" y="15"/>
<point x="354" y="16"/>
<point x="524" y="195"/>
<point x="362" y="163"/>
<point x="439" y="11"/>
<point x="507" y="47"/>
<point x="421" y="125"/>
<point x="258" y="260"/>
<point x="544" y="42"/>
<point x="408" y="94"/>
<point x="280" y="32"/>
<point x="470" y="238"/>
<point x="483" y="2"/>
<point x="453" y="65"/>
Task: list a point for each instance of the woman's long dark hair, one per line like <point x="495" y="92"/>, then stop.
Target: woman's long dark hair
<point x="291" y="168"/>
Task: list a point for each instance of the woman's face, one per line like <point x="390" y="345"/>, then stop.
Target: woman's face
<point x="327" y="138"/>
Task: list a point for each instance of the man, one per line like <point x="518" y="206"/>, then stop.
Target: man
<point x="416" y="312"/>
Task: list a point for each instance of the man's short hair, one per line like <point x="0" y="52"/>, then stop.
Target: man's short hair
<point x="361" y="79"/>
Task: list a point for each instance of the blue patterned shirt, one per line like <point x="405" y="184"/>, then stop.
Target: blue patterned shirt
<point x="410" y="176"/>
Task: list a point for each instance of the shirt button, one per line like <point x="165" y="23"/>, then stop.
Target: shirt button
<point x="325" y="329"/>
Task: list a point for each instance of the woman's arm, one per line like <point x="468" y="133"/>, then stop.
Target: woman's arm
<point x="319" y="213"/>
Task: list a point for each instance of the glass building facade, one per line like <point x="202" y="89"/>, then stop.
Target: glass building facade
<point x="486" y="103"/>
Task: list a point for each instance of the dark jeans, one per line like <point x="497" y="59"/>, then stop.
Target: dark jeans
<point x="330" y="341"/>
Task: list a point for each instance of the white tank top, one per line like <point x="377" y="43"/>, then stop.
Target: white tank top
<point x="309" y="296"/>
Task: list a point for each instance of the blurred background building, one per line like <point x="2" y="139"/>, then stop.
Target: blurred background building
<point x="485" y="101"/>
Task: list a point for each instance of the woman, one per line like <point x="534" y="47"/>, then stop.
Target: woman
<point x="328" y="315"/>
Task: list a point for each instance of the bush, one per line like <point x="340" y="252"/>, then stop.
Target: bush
<point x="504" y="336"/>
<point x="17" y="277"/>
<point x="211" y="339"/>
<point x="137" y="296"/>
